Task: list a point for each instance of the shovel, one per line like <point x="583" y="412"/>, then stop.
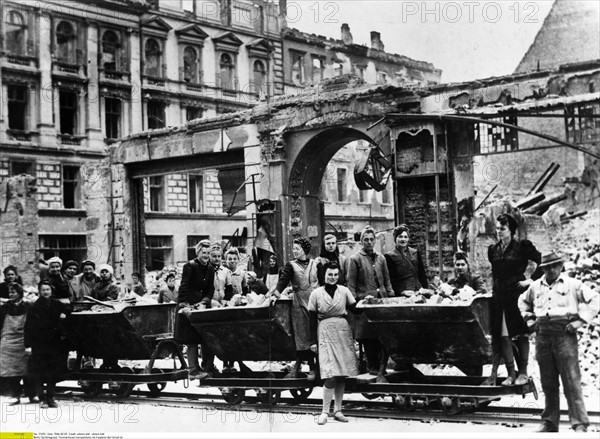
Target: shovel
<point x="99" y="302"/>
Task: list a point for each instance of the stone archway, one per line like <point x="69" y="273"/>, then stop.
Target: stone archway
<point x="303" y="211"/>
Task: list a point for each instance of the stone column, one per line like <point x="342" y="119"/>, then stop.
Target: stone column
<point x="93" y="127"/>
<point x="46" y="125"/>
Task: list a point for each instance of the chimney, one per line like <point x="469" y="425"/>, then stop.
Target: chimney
<point x="376" y="43"/>
<point x="346" y="35"/>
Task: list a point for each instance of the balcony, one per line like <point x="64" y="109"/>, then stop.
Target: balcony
<point x="68" y="68"/>
<point x="20" y="60"/>
<point x="115" y="75"/>
<point x="19" y="135"/>
<point x="70" y="139"/>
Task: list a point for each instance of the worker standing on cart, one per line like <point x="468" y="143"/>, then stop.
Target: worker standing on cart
<point x="368" y="276"/>
<point x="301" y="273"/>
<point x="555" y="307"/>
<point x="509" y="258"/>
<point x="332" y="338"/>
<point x="195" y="292"/>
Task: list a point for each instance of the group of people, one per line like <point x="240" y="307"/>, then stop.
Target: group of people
<point x="326" y="321"/>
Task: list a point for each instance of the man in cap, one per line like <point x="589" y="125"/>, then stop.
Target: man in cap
<point x="555" y="307"/>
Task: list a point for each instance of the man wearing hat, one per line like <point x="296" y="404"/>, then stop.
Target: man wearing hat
<point x="555" y="307"/>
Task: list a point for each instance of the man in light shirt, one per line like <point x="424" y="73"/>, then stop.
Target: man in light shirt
<point x="555" y="307"/>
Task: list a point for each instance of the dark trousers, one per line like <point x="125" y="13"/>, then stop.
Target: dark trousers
<point x="557" y="355"/>
<point x="14" y="386"/>
<point x="373" y="349"/>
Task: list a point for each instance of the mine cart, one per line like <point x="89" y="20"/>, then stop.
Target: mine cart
<point x="123" y="332"/>
<point x="456" y="334"/>
<point x="243" y="333"/>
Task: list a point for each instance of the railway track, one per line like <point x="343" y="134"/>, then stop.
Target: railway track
<point x="382" y="408"/>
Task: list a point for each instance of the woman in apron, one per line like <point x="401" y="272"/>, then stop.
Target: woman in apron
<point x="13" y="355"/>
<point x="301" y="273"/>
<point x="329" y="328"/>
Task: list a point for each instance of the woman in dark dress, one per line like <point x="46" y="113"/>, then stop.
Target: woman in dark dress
<point x="44" y="334"/>
<point x="509" y="258"/>
<point x="405" y="264"/>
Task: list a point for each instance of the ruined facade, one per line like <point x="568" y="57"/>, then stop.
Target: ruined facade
<point x="76" y="77"/>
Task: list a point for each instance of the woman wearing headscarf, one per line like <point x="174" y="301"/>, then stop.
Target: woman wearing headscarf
<point x="13" y="355"/>
<point x="44" y="334"/>
<point x="107" y="288"/>
<point x="331" y="253"/>
<point x="463" y="276"/>
<point x="405" y="264"/>
<point x="60" y="285"/>
<point x="301" y="273"/>
<point x="509" y="258"/>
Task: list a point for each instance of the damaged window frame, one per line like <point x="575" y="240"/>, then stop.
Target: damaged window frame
<point x="71" y="186"/>
<point x="156" y="193"/>
<point x="196" y="193"/>
<point x="158" y="245"/>
<point x="490" y="139"/>
<point x="67" y="247"/>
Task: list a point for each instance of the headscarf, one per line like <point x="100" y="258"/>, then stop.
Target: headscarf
<point x="304" y="243"/>
<point x="54" y="259"/>
<point x="106" y="267"/>
<point x="367" y="229"/>
<point x="401" y="228"/>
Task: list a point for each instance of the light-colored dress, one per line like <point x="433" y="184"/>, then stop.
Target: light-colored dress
<point x="222" y="279"/>
<point x="337" y="356"/>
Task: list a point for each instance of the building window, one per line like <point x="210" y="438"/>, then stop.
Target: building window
<point x="317" y="70"/>
<point x="153" y="58"/>
<point x="196" y="193"/>
<point x="235" y="240"/>
<point x="360" y="72"/>
<point x="15" y="33"/>
<point x="71" y="187"/>
<point x="156" y="115"/>
<point x="17" y="107"/>
<point x="338" y="69"/>
<point x="156" y="190"/>
<point x="260" y="77"/>
<point x="112" y="117"/>
<point x="192" y="113"/>
<point x="298" y="68"/>
<point x="362" y="196"/>
<point x="110" y="51"/>
<point x="341" y="184"/>
<point x="65" y="42"/>
<point x="191" y="65"/>
<point x="159" y="252"/>
<point x="68" y="112"/>
<point x="18" y="168"/>
<point x="491" y="138"/>
<point x="385" y="196"/>
<point x="227" y="71"/>
<point x="66" y="247"/>
<point x="192" y="241"/>
<point x="582" y="123"/>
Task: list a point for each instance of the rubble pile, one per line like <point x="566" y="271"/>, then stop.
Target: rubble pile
<point x="444" y="295"/>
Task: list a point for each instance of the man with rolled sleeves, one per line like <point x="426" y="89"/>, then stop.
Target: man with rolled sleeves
<point x="555" y="307"/>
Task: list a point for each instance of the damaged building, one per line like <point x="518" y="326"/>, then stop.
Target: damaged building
<point x="77" y="77"/>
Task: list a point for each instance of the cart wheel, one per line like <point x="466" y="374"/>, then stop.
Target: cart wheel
<point x="156" y="388"/>
<point x="123" y="390"/>
<point x="370" y="395"/>
<point x="301" y="395"/>
<point x="450" y="406"/>
<point x="233" y="396"/>
<point x="91" y="389"/>
<point x="268" y="396"/>
<point x="404" y="402"/>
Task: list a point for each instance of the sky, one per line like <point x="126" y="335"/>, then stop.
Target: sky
<point x="465" y="39"/>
